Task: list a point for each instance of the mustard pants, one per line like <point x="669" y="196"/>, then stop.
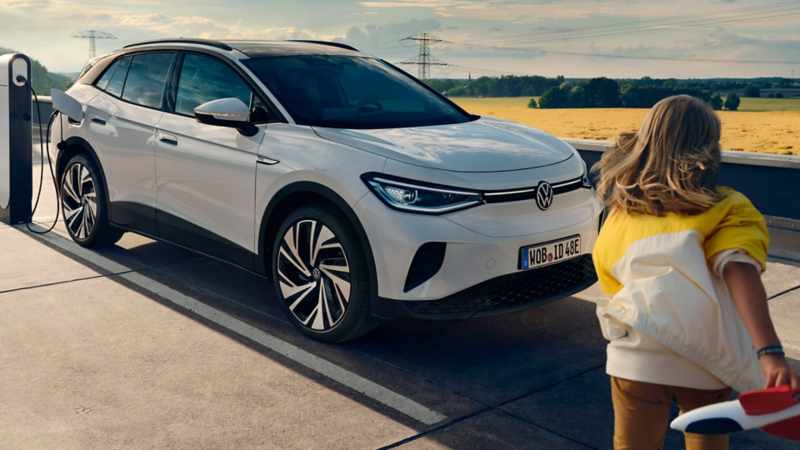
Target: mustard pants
<point x="641" y="414"/>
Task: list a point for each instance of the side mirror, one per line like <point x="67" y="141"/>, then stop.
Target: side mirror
<point x="226" y="112"/>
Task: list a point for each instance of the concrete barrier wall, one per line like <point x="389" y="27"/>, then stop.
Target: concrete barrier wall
<point x="45" y="107"/>
<point x="769" y="181"/>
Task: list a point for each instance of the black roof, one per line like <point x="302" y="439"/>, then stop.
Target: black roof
<point x="261" y="48"/>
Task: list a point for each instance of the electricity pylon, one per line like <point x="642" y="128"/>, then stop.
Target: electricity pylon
<point x="424" y="61"/>
<point x="92" y="36"/>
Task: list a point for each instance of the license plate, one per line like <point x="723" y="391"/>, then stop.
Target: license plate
<point x="552" y="252"/>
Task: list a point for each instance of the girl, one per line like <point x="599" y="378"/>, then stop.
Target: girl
<point x="679" y="260"/>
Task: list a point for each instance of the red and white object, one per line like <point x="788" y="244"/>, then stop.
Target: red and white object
<point x="773" y="410"/>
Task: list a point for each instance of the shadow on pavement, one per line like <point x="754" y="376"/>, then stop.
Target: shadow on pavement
<point x="532" y="379"/>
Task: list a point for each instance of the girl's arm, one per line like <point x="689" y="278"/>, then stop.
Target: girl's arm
<point x="750" y="298"/>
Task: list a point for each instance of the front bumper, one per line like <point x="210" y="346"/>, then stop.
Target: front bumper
<point x="479" y="274"/>
<point x="499" y="295"/>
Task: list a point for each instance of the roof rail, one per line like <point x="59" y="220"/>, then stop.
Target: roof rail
<point x="207" y="42"/>
<point x="332" y="44"/>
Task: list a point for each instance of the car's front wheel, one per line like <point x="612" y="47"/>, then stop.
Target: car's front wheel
<point x="320" y="274"/>
<point x="83" y="201"/>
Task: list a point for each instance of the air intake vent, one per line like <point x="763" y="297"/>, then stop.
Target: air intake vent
<point x="426" y="263"/>
<point x="515" y="291"/>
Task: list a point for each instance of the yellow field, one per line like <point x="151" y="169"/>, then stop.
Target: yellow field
<point x="749" y="131"/>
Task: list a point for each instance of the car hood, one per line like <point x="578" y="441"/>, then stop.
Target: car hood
<point x="483" y="145"/>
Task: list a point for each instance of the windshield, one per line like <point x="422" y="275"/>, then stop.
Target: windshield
<point x="351" y="92"/>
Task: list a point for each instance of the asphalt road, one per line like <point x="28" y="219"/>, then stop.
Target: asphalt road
<point x="147" y="345"/>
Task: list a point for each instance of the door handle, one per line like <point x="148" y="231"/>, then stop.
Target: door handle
<point x="98" y="121"/>
<point x="168" y="138"/>
<point x="266" y="161"/>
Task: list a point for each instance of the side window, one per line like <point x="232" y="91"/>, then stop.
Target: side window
<point x="146" y="79"/>
<point x="102" y="83"/>
<point x="205" y="79"/>
<point x="260" y="113"/>
<point x="118" y="79"/>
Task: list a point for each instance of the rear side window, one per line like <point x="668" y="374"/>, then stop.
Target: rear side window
<point x="147" y="78"/>
<point x="205" y="79"/>
<point x="118" y="79"/>
<point x="102" y="83"/>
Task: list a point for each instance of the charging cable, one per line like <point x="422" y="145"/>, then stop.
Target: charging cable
<point x="42" y="145"/>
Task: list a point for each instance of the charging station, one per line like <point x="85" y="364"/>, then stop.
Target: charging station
<point x="16" y="146"/>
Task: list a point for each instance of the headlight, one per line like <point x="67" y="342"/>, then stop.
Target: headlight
<point x="585" y="180"/>
<point x="422" y="198"/>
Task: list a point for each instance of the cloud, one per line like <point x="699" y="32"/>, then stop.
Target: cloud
<point x="389" y="35"/>
<point x="645" y="51"/>
<point x="516" y="11"/>
<point x="206" y="28"/>
<point x="414" y="3"/>
<point x="723" y="44"/>
<point x="23" y="5"/>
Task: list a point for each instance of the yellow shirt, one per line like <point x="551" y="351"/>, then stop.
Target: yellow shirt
<point x="670" y="319"/>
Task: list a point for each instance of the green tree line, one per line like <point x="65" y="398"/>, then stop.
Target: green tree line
<point x="504" y="86"/>
<point x="603" y="92"/>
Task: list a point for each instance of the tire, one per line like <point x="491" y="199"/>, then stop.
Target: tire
<point x="325" y="295"/>
<point x="84" y="203"/>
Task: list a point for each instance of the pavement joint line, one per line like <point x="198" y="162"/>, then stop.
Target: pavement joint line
<point x="56" y="283"/>
<point x="489" y="408"/>
<point x="784" y="292"/>
<point x="292" y="352"/>
<point x="551" y="385"/>
<point x="435" y="430"/>
<point x="546" y="429"/>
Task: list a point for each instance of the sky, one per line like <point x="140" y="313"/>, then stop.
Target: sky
<point x="574" y="38"/>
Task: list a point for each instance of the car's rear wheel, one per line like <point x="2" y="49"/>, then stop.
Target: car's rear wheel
<point x="83" y="201"/>
<point x="320" y="274"/>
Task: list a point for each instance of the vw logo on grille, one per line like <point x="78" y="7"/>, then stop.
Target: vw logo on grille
<point x="544" y="195"/>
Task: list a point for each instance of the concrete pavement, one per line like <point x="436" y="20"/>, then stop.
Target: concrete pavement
<point x="100" y="351"/>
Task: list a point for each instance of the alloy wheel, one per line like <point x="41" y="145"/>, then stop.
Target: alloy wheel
<point x="79" y="200"/>
<point x="314" y="275"/>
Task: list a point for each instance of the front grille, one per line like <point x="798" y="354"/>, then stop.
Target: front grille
<point x="529" y="193"/>
<point x="514" y="291"/>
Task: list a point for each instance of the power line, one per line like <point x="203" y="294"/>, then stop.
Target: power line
<point x="424" y="61"/>
<point x="92" y="36"/>
<point x="672" y="27"/>
<point x="656" y="21"/>
<point x="660" y="58"/>
<point x="502" y="46"/>
<point x="764" y="15"/>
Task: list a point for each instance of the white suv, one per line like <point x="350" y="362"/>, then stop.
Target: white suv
<point x="364" y="195"/>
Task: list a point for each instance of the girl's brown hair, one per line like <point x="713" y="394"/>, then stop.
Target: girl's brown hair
<point x="669" y="165"/>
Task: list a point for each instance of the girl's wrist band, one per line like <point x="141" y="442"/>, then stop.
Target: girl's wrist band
<point x="770" y="350"/>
